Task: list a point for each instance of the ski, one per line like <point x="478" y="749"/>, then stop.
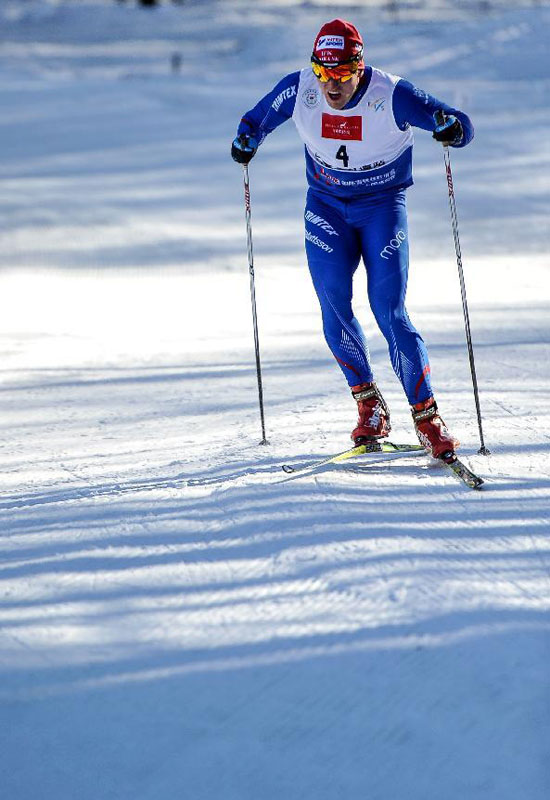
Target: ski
<point x="358" y="450"/>
<point x="450" y="460"/>
<point x="461" y="471"/>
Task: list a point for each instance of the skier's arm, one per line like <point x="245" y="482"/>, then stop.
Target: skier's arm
<point x="272" y="110"/>
<point x="413" y="106"/>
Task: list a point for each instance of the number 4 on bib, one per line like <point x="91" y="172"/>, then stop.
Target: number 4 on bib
<point x="342" y="155"/>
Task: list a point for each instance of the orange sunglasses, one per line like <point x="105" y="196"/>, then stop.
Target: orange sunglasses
<point x="339" y="72"/>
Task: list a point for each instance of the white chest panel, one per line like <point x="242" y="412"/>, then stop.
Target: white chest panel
<point x="354" y="140"/>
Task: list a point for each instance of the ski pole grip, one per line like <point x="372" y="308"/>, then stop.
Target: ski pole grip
<point x="439" y="117"/>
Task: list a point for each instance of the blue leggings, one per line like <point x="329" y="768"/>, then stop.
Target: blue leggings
<point x="338" y="233"/>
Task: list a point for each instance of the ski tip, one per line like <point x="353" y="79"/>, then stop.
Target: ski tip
<point x="287" y="468"/>
<point x="461" y="471"/>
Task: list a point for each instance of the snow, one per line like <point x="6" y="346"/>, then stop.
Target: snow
<point x="177" y="620"/>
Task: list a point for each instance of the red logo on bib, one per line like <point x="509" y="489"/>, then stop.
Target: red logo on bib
<point x="337" y="127"/>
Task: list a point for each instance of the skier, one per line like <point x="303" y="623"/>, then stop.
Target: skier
<point x="355" y="121"/>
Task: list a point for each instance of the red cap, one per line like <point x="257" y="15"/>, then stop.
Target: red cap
<point x="338" y="42"/>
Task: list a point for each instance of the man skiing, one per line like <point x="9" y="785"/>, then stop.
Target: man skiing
<point x="355" y="122"/>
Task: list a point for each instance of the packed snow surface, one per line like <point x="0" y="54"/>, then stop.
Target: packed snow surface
<point x="177" y="619"/>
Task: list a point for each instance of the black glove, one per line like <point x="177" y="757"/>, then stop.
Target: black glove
<point x="449" y="130"/>
<point x="243" y="148"/>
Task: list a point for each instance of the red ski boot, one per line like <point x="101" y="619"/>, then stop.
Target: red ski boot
<point x="431" y="430"/>
<point x="374" y="415"/>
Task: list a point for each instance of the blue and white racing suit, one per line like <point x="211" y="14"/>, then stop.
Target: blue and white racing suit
<point x="358" y="166"/>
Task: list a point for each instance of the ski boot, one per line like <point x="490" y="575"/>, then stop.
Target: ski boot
<point x="374" y="415"/>
<point x="432" y="431"/>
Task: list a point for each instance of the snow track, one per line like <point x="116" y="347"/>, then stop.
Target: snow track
<point x="177" y="619"/>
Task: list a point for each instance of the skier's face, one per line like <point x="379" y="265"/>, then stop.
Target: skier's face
<point x="338" y="93"/>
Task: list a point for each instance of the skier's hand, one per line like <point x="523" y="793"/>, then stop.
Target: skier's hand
<point x="243" y="148"/>
<point x="449" y="131"/>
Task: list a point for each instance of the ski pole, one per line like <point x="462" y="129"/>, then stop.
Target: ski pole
<point x="440" y="119"/>
<point x="253" y="299"/>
